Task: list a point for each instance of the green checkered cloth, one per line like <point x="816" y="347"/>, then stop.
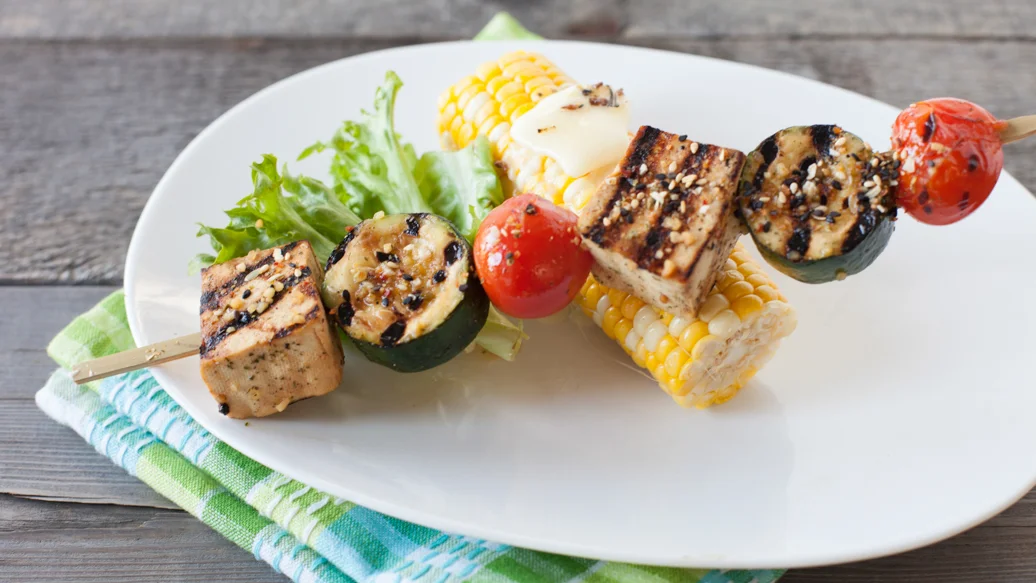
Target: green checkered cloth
<point x="301" y="532"/>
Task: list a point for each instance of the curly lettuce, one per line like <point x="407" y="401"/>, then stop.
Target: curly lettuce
<point x="372" y="169"/>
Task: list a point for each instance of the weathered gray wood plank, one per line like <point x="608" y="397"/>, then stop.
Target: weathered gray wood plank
<point x="433" y="19"/>
<point x="51" y="541"/>
<point x="41" y="459"/>
<point x="89" y="128"/>
<point x="29" y="318"/>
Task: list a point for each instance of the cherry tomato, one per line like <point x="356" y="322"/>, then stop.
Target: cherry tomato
<point x="950" y="158"/>
<point x="530" y="258"/>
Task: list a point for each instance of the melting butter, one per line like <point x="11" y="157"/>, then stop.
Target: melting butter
<point x="583" y="128"/>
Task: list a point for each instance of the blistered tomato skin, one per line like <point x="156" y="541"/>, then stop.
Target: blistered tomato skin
<point x="530" y="257"/>
<point x="950" y="159"/>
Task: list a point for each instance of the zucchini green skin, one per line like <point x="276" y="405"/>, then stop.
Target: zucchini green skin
<point x="851" y="240"/>
<point x="437" y="346"/>
<point x="836" y="267"/>
<point x="442" y="335"/>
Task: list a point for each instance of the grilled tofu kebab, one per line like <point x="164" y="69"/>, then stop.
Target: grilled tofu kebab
<point x="401" y="287"/>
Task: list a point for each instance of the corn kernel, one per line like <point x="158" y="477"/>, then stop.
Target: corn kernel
<point x="727" y="279"/>
<point x="766" y="293"/>
<point x="674" y="362"/>
<point x="617" y="297"/>
<point x="702" y="344"/>
<point x="622" y="328"/>
<point x="610" y="317"/>
<point x="665" y="346"/>
<point x="695" y="332"/>
<point x="712" y="306"/>
<point x="659" y="373"/>
<point x="654" y="335"/>
<point x="746" y="305"/>
<point x="630" y="306"/>
<point x="724" y="324"/>
<point x="741" y="288"/>
<point x="640" y="354"/>
<point x="758" y="279"/>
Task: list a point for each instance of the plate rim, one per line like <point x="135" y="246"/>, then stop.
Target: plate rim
<point x="804" y="560"/>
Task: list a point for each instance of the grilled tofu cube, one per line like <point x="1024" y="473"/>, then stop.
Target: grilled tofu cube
<point x="266" y="340"/>
<point x="662" y="225"/>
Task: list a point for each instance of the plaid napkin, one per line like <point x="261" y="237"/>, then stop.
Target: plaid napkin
<point x="301" y="532"/>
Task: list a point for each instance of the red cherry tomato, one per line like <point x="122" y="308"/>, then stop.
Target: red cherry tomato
<point x="530" y="257"/>
<point x="950" y="158"/>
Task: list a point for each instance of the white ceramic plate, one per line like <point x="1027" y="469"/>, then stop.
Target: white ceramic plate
<point x="899" y="413"/>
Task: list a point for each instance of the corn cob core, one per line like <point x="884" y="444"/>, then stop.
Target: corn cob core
<point x="699" y="361"/>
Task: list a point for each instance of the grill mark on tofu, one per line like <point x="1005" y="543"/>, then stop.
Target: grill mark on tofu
<point x="243" y="318"/>
<point x="311" y="315"/>
<point x="211" y="299"/>
<point x="658" y="240"/>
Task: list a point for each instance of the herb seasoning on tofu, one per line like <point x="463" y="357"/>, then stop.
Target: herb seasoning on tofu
<point x="818" y="202"/>
<point x="403" y="288"/>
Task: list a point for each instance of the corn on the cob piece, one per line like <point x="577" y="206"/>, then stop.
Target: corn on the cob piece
<point x="699" y="361"/>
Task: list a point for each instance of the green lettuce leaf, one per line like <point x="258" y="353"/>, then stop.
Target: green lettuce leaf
<point x="461" y="186"/>
<point x="372" y="167"/>
<point x="290" y="208"/>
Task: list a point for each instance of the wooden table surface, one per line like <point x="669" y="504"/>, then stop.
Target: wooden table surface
<point x="97" y="98"/>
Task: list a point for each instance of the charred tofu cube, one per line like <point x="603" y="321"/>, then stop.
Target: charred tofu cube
<point x="266" y="341"/>
<point x="661" y="226"/>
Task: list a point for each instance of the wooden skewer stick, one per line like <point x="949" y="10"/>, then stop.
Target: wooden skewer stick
<point x="1018" y="128"/>
<point x="137" y="358"/>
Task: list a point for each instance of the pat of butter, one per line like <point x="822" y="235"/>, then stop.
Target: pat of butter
<point x="583" y="128"/>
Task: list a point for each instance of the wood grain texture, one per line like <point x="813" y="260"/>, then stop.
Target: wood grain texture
<point x="41" y="459"/>
<point x="437" y="19"/>
<point x="88" y="128"/>
<point x="29" y="318"/>
<point x="52" y="541"/>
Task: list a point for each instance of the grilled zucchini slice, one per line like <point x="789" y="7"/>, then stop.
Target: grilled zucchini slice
<point x="403" y="288"/>
<point x="818" y="202"/>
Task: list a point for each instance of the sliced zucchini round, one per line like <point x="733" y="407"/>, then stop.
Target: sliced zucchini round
<point x="818" y="202"/>
<point x="403" y="288"/>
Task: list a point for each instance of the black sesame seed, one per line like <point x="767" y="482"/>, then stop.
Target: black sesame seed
<point x="928" y="209"/>
<point x="415" y="301"/>
<point x="452" y="252"/>
<point x="439" y="277"/>
<point x="509" y="256"/>
<point x="413" y="225"/>
<point x="530" y="209"/>
<point x="836" y="185"/>
<point x="247" y="294"/>
<point x="660" y="176"/>
<point x="224" y="409"/>
<point x="766" y="226"/>
<point x="965" y="196"/>
<point x="823" y="199"/>
<point x="923" y="197"/>
<point x="389" y="257"/>
<point x="797" y="201"/>
<point x="972" y="163"/>
<point x="407" y="277"/>
<point x="931" y="163"/>
<point x="682" y="137"/>
<point x="345" y="313"/>
<point x="755" y="204"/>
<point x="462" y="287"/>
<point x="385" y="301"/>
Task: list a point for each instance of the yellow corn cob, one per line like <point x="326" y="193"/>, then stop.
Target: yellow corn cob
<point x="699" y="361"/>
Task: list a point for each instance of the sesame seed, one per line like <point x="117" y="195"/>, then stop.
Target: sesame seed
<point x="298" y="319"/>
<point x="672" y="184"/>
<point x="840" y="141"/>
<point x="672" y="166"/>
<point x="378" y="215"/>
<point x="908" y="165"/>
<point x="811" y="172"/>
<point x="722" y="155"/>
<point x="643" y="169"/>
<point x="298" y="273"/>
<point x="241" y="267"/>
<point x="269" y="293"/>
<point x="868" y="183"/>
<point x="278" y="286"/>
<point x="278" y="254"/>
<point x="659" y="254"/>
<point x="794" y="187"/>
<point x="683" y="206"/>
<point x="704" y="209"/>
<point x="606" y="222"/>
<point x="668" y="268"/>
<point x="634" y="203"/>
<point x="231" y="329"/>
<point x="259" y="224"/>
<point x="674" y="236"/>
<point x="694" y="147"/>
<point x="257" y="272"/>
